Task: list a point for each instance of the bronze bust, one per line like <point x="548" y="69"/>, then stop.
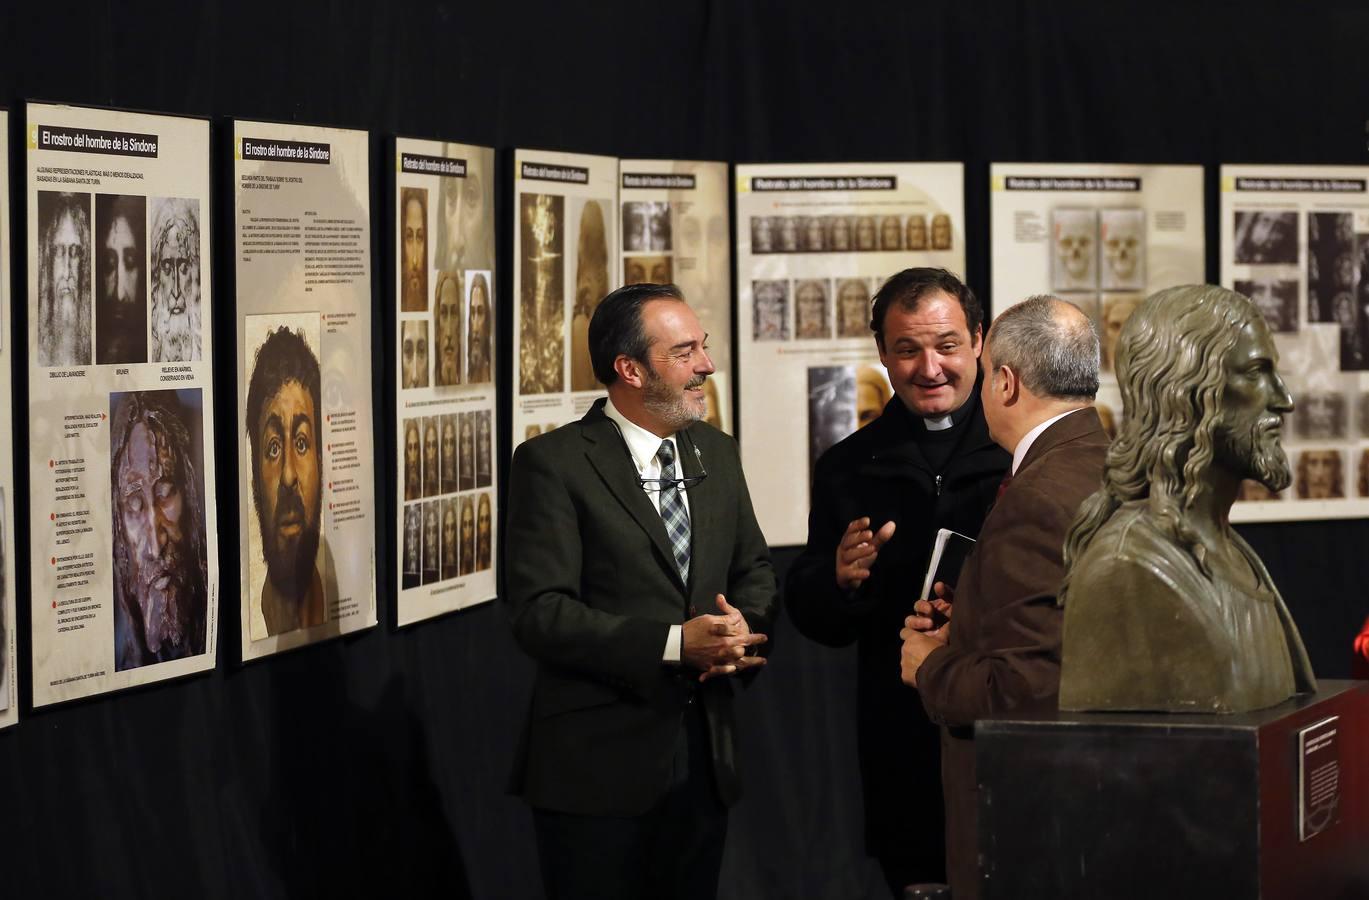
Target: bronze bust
<point x="1166" y="607"/>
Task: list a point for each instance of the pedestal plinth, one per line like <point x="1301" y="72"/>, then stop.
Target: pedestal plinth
<point x="1269" y="804"/>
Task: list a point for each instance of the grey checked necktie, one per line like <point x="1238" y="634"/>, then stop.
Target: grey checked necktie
<point x="673" y="511"/>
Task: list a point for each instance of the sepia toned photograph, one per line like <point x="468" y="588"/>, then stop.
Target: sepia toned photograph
<point x="64" y="277"/>
<point x="813" y="234"/>
<point x="479" y="329"/>
<point x="120" y="279"/>
<point x="1266" y="236"/>
<point x="853" y="308"/>
<point x="484" y="448"/>
<point x="466" y="454"/>
<point x="788" y="234"/>
<point x="160" y="552"/>
<point x="865" y="234"/>
<point x="413" y="353"/>
<point x="175" y="261"/>
<point x="542" y="316"/>
<point x="413" y="249"/>
<point x="467" y="528"/>
<point x="839" y="233"/>
<point x="465" y="208"/>
<point x="448" y="369"/>
<point x="413" y="456"/>
<point x="915" y="232"/>
<point x="812" y="316"/>
<point x="591" y="286"/>
<point x="891" y="233"/>
<point x="1320" y="475"/>
<point x="1074" y="256"/>
<point x="763" y="234"/>
<point x="1276" y="298"/>
<point x="484" y="535"/>
<point x="450" y="555"/>
<point x="1116" y="310"/>
<point x="432" y="541"/>
<point x="448" y="463"/>
<point x="646" y="227"/>
<point x="1320" y="415"/>
<point x="941" y="232"/>
<point x="1122" y="234"/>
<point x="770" y="310"/>
<point x="647" y="270"/>
<point x="432" y="456"/>
<point x="413" y="546"/>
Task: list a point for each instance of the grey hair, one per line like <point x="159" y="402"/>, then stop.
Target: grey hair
<point x="1055" y="356"/>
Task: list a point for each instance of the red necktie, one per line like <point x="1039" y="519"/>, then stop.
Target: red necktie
<point x="1003" y="486"/>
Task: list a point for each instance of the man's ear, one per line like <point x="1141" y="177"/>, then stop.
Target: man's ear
<point x="1007" y="384"/>
<point x="629" y="370"/>
<point x="977" y="341"/>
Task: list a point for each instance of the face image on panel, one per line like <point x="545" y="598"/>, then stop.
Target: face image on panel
<point x="413" y="353"/>
<point x="447" y="300"/>
<point x="788" y="233"/>
<point x="161" y="568"/>
<point x="1320" y="475"/>
<point x="762" y="234"/>
<point x="647" y="270"/>
<point x="813" y="233"/>
<point x="484" y="522"/>
<point x="1253" y="492"/>
<point x="1116" y="311"/>
<point x="542" y="314"/>
<point x="449" y="454"/>
<point x="770" y="300"/>
<point x="467" y="526"/>
<point x="1276" y="298"/>
<point x="1266" y="236"/>
<point x="865" y="234"/>
<point x="484" y="444"/>
<point x="646" y="227"/>
<point x="432" y="456"/>
<point x="1320" y="415"/>
<point x="915" y="232"/>
<point x="175" y="239"/>
<point x="1123" y="236"/>
<point x="839" y="233"/>
<point x="285" y="437"/>
<point x="432" y="541"/>
<point x="466" y="430"/>
<point x="413" y="249"/>
<point x="450" y="561"/>
<point x="811" y="309"/>
<point x="479" y="326"/>
<point x="463" y="240"/>
<point x="121" y="279"/>
<point x="831" y="408"/>
<point x="891" y="233"/>
<point x="413" y="545"/>
<point x="591" y="286"/>
<point x="413" y="456"/>
<point x="64" y="276"/>
<point x="1074" y="242"/>
<point x="873" y="393"/>
<point x="941" y="232"/>
<point x="853" y="308"/>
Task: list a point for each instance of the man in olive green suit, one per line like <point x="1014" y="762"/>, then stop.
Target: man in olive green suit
<point x="639" y="581"/>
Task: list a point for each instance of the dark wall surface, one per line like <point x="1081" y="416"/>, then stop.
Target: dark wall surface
<point x="375" y="764"/>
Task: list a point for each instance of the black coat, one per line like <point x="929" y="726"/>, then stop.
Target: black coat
<point x="592" y="592"/>
<point x="881" y="472"/>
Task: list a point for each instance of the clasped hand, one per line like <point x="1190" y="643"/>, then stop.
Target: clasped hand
<point x="921" y="634"/>
<point x="721" y="644"/>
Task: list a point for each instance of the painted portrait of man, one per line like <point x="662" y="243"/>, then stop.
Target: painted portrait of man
<point x="121" y="282"/>
<point x="413" y="469"/>
<point x="431" y="457"/>
<point x="413" y="348"/>
<point x="483" y="538"/>
<point x="449" y="551"/>
<point x="284" y="414"/>
<point x="466" y="428"/>
<point x="449" y="453"/>
<point x="1320" y="475"/>
<point x="480" y="325"/>
<point x="447" y="297"/>
<point x="63" y="279"/>
<point x="161" y="569"/>
<point x="176" y="312"/>
<point x="484" y="443"/>
<point x="413" y="249"/>
<point x="810" y="309"/>
<point x="432" y="541"/>
<point x="467" y="537"/>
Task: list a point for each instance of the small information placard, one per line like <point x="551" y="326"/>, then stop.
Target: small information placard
<point x="1318" y="777"/>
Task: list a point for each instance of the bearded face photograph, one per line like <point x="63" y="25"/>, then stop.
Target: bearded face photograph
<point x="175" y="263"/>
<point x="64" y="279"/>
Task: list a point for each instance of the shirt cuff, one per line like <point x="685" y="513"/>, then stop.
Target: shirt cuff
<point x="672" y="645"/>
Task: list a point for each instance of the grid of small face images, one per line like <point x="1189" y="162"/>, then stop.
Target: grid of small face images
<point x="1098" y="263"/>
<point x="850" y="234"/>
<point x="1326" y="464"/>
<point x="447" y="474"/>
<point x="821" y="308"/>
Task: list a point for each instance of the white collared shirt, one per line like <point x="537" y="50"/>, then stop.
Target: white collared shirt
<point x="642" y="446"/>
<point x="1020" y="453"/>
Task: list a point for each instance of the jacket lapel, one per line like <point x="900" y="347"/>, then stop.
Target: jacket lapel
<point x="609" y="457"/>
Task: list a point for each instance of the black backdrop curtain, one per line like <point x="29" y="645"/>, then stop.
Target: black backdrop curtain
<point x="375" y="764"/>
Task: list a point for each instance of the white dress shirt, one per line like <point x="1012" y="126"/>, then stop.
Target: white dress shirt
<point x="642" y="446"/>
<point x="1020" y="452"/>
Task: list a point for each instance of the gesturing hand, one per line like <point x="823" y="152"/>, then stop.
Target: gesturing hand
<point x="857" y="551"/>
<point x="721" y="644"/>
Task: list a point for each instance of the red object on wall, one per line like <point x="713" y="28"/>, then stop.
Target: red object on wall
<point x="1359" y="665"/>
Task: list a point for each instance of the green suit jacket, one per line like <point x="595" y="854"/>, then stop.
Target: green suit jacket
<point x="592" y="590"/>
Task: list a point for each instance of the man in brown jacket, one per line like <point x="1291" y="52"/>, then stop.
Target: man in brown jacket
<point x="1003" y="652"/>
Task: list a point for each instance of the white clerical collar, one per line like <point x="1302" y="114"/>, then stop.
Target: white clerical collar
<point x="938" y="424"/>
<point x="641" y="444"/>
<point x="1025" y="444"/>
